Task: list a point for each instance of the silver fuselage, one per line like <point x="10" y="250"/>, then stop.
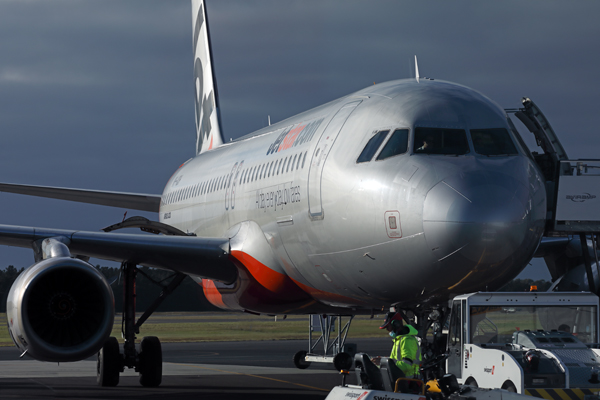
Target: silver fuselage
<point x="408" y="229"/>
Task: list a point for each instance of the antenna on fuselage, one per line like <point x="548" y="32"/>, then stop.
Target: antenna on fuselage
<point x="269" y="118"/>
<point x="416" y="69"/>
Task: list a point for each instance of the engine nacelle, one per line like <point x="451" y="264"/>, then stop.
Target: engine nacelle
<point x="60" y="309"/>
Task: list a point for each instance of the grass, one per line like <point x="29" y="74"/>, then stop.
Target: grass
<point x="205" y="327"/>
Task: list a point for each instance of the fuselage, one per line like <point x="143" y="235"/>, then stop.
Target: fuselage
<point x="358" y="211"/>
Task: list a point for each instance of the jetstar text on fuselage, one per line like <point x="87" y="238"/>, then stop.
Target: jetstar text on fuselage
<point x="294" y="135"/>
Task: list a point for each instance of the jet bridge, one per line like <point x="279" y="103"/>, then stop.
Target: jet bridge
<point x="572" y="233"/>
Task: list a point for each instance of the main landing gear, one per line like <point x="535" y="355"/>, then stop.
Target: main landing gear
<point x="148" y="360"/>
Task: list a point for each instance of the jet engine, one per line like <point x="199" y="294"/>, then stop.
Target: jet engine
<point x="60" y="309"/>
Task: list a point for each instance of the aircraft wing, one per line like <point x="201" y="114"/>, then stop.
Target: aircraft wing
<point x="204" y="257"/>
<point x="133" y="201"/>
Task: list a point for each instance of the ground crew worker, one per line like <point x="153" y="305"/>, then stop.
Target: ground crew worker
<point x="406" y="350"/>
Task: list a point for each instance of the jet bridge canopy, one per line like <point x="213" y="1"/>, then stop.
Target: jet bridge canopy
<point x="572" y="186"/>
<point x="573" y="205"/>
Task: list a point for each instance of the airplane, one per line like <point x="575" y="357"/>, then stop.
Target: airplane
<point x="401" y="194"/>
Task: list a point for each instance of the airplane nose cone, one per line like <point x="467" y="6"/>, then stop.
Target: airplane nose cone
<point x="481" y="227"/>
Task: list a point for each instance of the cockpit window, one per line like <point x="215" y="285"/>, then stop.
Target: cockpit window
<point x="397" y="144"/>
<point x="372" y="146"/>
<point x="441" y="141"/>
<point x="493" y="142"/>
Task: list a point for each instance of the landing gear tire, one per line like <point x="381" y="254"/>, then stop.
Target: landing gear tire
<point x="150" y="362"/>
<point x="508" y="385"/>
<point x="109" y="363"/>
<point x="342" y="361"/>
<point x="299" y="360"/>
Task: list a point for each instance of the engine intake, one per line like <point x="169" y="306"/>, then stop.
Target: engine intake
<point x="60" y="309"/>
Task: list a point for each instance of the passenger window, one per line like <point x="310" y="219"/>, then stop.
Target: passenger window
<point x="492" y="142"/>
<point x="372" y="145"/>
<point x="294" y="162"/>
<point x="303" y="159"/>
<point x="270" y="169"/>
<point x="441" y="141"/>
<point x="398" y="144"/>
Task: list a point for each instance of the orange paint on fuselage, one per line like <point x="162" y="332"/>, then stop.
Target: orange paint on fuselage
<point x="260" y="289"/>
<point x="212" y="294"/>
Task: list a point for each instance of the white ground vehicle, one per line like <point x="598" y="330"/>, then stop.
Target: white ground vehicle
<point x="540" y="344"/>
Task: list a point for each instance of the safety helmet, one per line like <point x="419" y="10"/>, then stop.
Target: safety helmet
<point x="391" y="316"/>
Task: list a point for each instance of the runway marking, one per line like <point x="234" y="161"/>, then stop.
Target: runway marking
<point x="254" y="376"/>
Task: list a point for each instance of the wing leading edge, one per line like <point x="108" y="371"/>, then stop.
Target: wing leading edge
<point x="132" y="201"/>
<point x="203" y="257"/>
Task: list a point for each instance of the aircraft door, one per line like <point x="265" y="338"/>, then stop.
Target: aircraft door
<point x="456" y="339"/>
<point x="319" y="157"/>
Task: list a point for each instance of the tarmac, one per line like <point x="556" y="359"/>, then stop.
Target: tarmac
<point x="215" y="370"/>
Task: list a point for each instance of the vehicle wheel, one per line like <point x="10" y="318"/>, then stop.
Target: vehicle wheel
<point x="150" y="362"/>
<point x="299" y="360"/>
<point x="509" y="386"/>
<point x="109" y="363"/>
<point x="342" y="361"/>
<point x="471" y="382"/>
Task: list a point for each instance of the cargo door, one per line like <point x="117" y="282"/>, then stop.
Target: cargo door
<point x="319" y="157"/>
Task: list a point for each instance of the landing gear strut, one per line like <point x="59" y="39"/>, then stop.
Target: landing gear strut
<point x="148" y="361"/>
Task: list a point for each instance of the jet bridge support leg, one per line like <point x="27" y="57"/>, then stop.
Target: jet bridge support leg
<point x="587" y="259"/>
<point x="334" y="349"/>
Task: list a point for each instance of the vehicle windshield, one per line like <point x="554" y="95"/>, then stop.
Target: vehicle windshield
<point x="497" y="324"/>
<point x="492" y="142"/>
<point x="441" y="141"/>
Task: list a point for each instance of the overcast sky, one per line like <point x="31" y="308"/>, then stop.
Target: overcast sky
<point x="98" y="94"/>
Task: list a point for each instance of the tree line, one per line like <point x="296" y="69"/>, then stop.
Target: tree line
<point x="189" y="295"/>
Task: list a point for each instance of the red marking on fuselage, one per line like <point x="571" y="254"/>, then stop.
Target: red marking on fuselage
<point x="259" y="288"/>
<point x="275" y="282"/>
<point x="289" y="139"/>
<point x="212" y="294"/>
